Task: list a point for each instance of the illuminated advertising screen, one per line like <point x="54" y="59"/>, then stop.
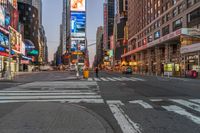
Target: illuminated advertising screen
<point x="78" y="24"/>
<point x="78" y="44"/>
<point x="3" y="39"/>
<point x="78" y="5"/>
<point x="2" y="16"/>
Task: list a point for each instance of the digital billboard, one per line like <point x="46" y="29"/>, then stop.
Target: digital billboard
<point x="2" y="16"/>
<point x="78" y="44"/>
<point x="77" y="5"/>
<point x="78" y="24"/>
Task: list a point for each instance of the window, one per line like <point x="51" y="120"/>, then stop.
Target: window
<point x="157" y="35"/>
<point x="175" y="12"/>
<point x="174" y="2"/>
<point x="195" y="15"/>
<point x="165" y="30"/>
<point x="177" y="24"/>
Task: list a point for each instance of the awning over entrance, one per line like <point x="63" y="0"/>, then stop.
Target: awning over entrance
<point x="190" y="48"/>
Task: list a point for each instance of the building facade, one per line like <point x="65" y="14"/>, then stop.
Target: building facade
<point x="158" y="31"/>
<point x="99" y="46"/>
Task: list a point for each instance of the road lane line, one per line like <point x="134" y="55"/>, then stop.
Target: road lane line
<point x="47" y="97"/>
<point x="129" y="79"/>
<point x="142" y="103"/>
<point x="125" y="123"/>
<point x="111" y="79"/>
<point x="156" y="100"/>
<point x="185" y="103"/>
<point x="181" y="111"/>
<point x="104" y="79"/>
<point x="55" y="100"/>
<point x="50" y="91"/>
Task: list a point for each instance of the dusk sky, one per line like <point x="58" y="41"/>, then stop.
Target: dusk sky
<point x="52" y="18"/>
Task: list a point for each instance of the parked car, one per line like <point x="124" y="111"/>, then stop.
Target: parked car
<point x="127" y="70"/>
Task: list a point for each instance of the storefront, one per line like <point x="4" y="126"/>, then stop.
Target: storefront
<point x="191" y="58"/>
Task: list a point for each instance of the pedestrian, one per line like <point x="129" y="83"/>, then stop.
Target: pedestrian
<point x="97" y="72"/>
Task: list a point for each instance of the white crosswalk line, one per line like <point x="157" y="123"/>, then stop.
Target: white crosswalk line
<point x="142" y="103"/>
<point x="104" y="79"/>
<point x="111" y="79"/>
<point x="185" y="103"/>
<point x="128" y="79"/>
<point x="125" y="123"/>
<point x="97" y="79"/>
<point x="195" y="100"/>
<point x="90" y="79"/>
<point x="118" y="79"/>
<point x="183" y="112"/>
<point x="139" y="79"/>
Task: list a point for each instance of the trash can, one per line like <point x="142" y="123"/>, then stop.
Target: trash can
<point x="86" y="74"/>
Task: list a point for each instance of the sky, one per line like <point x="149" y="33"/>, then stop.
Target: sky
<point x="52" y="18"/>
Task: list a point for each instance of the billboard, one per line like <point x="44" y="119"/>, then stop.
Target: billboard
<point x="78" y="24"/>
<point x="77" y="5"/>
<point x="2" y="16"/>
<point x="78" y="44"/>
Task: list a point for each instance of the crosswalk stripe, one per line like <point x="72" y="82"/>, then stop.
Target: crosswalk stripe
<point x="48" y="97"/>
<point x="104" y="79"/>
<point x="97" y="79"/>
<point x="195" y="100"/>
<point x="142" y="103"/>
<point x="128" y="79"/>
<point x="138" y="79"/>
<point x="118" y="79"/>
<point x="185" y="103"/>
<point x="90" y="79"/>
<point x="42" y="94"/>
<point x="181" y="111"/>
<point x="98" y="101"/>
<point x="111" y="79"/>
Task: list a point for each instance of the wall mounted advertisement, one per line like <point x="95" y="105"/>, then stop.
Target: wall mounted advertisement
<point x="78" y="24"/>
<point x="3" y="39"/>
<point x="2" y="16"/>
<point x="78" y="5"/>
<point x="15" y="40"/>
<point x="78" y="44"/>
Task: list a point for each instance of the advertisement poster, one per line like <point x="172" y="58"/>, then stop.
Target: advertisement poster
<point x="78" y="24"/>
<point x="3" y="39"/>
<point x="78" y="45"/>
<point x="77" y="5"/>
<point x="2" y="16"/>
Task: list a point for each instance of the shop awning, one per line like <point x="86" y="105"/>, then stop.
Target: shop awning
<point x="190" y="48"/>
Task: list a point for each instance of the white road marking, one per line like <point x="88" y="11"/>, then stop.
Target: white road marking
<point x="104" y="79"/>
<point x="43" y="94"/>
<point x="195" y="100"/>
<point x="90" y="79"/>
<point x="183" y="112"/>
<point x="56" y="100"/>
<point x="47" y="97"/>
<point x="129" y="79"/>
<point x="185" y="103"/>
<point x="138" y="79"/>
<point x="48" y="91"/>
<point x="125" y="79"/>
<point x="118" y="102"/>
<point x="156" y="100"/>
<point x="111" y="79"/>
<point x="118" y="79"/>
<point x="142" y="103"/>
<point x="97" y="79"/>
<point x="125" y="123"/>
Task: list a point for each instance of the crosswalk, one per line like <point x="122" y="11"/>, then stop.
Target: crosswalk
<point x="81" y="92"/>
<point x="115" y="79"/>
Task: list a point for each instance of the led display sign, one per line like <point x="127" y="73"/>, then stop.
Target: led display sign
<point x="77" y="5"/>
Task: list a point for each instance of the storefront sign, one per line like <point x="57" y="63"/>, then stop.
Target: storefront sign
<point x="15" y="40"/>
<point x="190" y="48"/>
<point x="25" y="62"/>
<point x="2" y="16"/>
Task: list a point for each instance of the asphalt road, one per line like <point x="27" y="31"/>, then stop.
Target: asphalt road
<point x="113" y="103"/>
